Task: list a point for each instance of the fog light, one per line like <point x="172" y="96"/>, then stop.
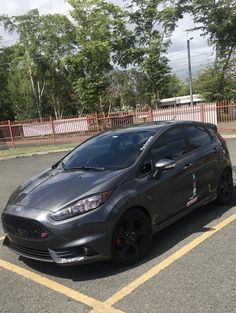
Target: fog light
<point x="85" y="251"/>
<point x="88" y="251"/>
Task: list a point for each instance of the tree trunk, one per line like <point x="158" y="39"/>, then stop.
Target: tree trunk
<point x="34" y="91"/>
<point x="100" y="105"/>
<point x="38" y="93"/>
<point x="39" y="100"/>
<point x="122" y="99"/>
<point x="57" y="107"/>
<point x="224" y="68"/>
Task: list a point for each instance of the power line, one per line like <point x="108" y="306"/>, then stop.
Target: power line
<point x="194" y="56"/>
<point x="204" y="62"/>
<point x="184" y="52"/>
<point x="206" y="53"/>
<point x="176" y="53"/>
<point x="193" y="64"/>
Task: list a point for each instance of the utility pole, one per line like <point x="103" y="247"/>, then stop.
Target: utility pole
<point x="190" y="72"/>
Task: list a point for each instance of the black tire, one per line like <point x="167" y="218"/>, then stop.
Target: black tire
<point x="131" y="238"/>
<point x="225" y="187"/>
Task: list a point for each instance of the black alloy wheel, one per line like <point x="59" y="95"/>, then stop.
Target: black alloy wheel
<point x="225" y="187"/>
<point x="132" y="237"/>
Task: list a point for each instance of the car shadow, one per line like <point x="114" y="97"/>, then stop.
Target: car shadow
<point x="162" y="242"/>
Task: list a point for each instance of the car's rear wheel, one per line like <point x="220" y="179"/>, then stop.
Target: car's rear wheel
<point x="225" y="187"/>
<point x="131" y="238"/>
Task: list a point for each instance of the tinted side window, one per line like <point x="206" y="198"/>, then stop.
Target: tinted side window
<point x="211" y="131"/>
<point x="170" y="145"/>
<point x="197" y="136"/>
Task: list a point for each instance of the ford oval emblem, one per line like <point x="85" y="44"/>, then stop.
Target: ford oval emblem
<point x="19" y="210"/>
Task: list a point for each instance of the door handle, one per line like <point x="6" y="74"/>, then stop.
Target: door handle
<point x="188" y="165"/>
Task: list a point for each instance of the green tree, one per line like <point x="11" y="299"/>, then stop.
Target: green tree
<point x="154" y="22"/>
<point x="6" y="108"/>
<point x="102" y="39"/>
<point x="217" y="20"/>
<point x="172" y="87"/>
<point x="207" y="81"/>
<point x="127" y="89"/>
<point x="44" y="43"/>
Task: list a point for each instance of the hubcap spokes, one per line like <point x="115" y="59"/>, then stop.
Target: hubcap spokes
<point x="130" y="237"/>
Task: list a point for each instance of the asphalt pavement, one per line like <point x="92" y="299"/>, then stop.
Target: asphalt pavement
<point x="190" y="267"/>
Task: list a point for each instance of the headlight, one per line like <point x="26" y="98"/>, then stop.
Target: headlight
<point x="13" y="195"/>
<point x="81" y="206"/>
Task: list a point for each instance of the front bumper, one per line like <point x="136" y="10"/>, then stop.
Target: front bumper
<point x="84" y="239"/>
<point x="60" y="257"/>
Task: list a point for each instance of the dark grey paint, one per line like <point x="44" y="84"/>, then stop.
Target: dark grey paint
<point x="163" y="198"/>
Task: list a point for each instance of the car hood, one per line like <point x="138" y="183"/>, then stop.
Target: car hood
<point x="54" y="189"/>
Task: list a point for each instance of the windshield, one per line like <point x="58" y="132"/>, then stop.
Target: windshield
<point x="109" y="151"/>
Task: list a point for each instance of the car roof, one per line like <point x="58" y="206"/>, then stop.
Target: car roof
<point x="152" y="126"/>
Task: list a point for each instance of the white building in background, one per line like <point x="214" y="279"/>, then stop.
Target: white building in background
<point x="180" y="101"/>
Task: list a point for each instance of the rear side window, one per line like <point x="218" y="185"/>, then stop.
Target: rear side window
<point x="211" y="131"/>
<point x="197" y="136"/>
<point x="170" y="145"/>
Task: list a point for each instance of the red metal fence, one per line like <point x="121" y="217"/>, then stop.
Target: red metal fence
<point x="78" y="128"/>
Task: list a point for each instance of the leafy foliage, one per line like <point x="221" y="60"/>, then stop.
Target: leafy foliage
<point x="108" y="57"/>
<point x="39" y="60"/>
<point x="217" y="20"/>
<point x="103" y="41"/>
<point x="6" y="109"/>
<point x="207" y="82"/>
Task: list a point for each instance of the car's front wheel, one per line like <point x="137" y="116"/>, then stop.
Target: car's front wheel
<point x="131" y="238"/>
<point x="225" y="187"/>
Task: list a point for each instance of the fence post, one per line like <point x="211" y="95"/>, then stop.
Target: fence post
<point x="151" y="114"/>
<point x="136" y="116"/>
<point x="53" y="131"/>
<point x="202" y="112"/>
<point x="11" y="134"/>
<point x="97" y="122"/>
<point x="105" y="120"/>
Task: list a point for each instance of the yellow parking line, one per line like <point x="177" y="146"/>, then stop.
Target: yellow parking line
<point x="106" y="307"/>
<point x="98" y="306"/>
<point x="125" y="291"/>
<point x="1" y="238"/>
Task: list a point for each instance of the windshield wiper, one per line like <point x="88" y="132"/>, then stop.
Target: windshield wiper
<point x="86" y="168"/>
<point x="54" y="166"/>
<point x="63" y="165"/>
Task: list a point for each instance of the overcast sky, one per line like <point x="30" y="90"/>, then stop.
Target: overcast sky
<point x="201" y="54"/>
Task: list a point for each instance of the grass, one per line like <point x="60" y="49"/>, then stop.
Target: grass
<point x="36" y="149"/>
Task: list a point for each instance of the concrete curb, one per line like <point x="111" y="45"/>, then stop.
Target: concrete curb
<point x="33" y="154"/>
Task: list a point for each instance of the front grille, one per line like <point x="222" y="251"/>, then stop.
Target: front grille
<point x="24" y="227"/>
<point x="41" y="254"/>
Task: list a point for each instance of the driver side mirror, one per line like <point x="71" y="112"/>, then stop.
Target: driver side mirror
<point x="164" y="164"/>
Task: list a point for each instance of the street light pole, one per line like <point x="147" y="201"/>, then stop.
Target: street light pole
<point x="190" y="72"/>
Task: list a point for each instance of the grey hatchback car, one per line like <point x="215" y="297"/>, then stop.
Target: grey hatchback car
<point x="106" y="198"/>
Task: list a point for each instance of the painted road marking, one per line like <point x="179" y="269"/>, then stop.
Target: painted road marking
<point x="106" y="307"/>
<point x="125" y="291"/>
<point x="98" y="306"/>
